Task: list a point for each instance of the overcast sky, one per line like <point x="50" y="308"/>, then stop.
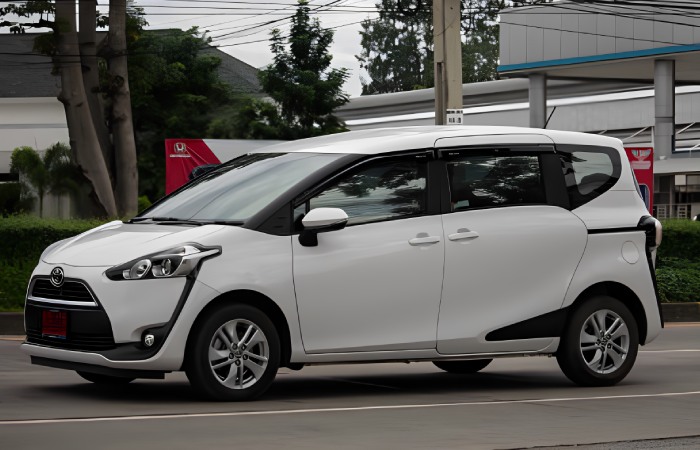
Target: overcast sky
<point x="242" y="27"/>
<point x="236" y="25"/>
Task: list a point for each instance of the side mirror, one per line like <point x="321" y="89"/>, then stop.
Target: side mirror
<point x="321" y="220"/>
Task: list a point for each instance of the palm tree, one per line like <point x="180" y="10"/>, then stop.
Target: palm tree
<point x="53" y="173"/>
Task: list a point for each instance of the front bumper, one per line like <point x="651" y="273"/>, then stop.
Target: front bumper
<point x="108" y="332"/>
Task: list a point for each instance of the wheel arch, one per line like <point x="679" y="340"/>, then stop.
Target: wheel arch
<point x="256" y="300"/>
<point x="620" y="292"/>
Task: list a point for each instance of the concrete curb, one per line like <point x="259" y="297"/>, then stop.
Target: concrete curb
<point x="12" y="324"/>
<point x="681" y="312"/>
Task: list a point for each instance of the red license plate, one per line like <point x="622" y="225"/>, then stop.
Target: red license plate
<point x="54" y="323"/>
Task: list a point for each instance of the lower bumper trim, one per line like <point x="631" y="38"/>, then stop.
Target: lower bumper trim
<point x="70" y="365"/>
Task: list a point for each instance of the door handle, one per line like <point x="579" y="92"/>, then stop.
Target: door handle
<point x="463" y="233"/>
<point x="424" y="240"/>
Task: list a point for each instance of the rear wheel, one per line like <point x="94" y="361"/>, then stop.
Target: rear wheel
<point x="233" y="354"/>
<point x="600" y="344"/>
<point x="462" y="367"/>
<point x="98" y="378"/>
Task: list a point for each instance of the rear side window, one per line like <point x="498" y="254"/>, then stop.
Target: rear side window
<point x="589" y="171"/>
<point x="485" y="181"/>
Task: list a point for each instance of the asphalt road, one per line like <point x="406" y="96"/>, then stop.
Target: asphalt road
<point x="514" y="403"/>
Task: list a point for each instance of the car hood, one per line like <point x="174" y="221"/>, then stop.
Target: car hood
<point x="117" y="242"/>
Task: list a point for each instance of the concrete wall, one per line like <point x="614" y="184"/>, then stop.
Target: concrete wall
<point x="34" y="122"/>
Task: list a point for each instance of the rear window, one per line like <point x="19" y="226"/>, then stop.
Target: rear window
<point x="588" y="171"/>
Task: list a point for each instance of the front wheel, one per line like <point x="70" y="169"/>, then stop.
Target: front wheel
<point x="462" y="367"/>
<point x="234" y="354"/>
<point x="600" y="344"/>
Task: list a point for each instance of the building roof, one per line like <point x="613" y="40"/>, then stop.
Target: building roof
<point x="240" y="76"/>
<point x="24" y="73"/>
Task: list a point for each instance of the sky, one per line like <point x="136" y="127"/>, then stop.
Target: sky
<point x="239" y="31"/>
<point x="242" y="28"/>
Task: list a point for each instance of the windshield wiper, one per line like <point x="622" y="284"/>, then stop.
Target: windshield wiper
<point x="168" y="221"/>
<point x="223" y="222"/>
<point x="176" y="221"/>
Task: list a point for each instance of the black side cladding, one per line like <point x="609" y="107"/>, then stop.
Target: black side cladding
<point x="649" y="224"/>
<point x="547" y="325"/>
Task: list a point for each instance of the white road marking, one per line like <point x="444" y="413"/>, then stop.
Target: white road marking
<point x="327" y="410"/>
<point x="687" y="350"/>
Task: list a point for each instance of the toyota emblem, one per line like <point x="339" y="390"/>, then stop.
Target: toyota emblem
<point x="57" y="277"/>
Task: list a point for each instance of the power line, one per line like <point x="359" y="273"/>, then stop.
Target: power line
<point x="284" y="37"/>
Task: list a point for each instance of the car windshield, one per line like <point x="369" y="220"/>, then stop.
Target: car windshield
<point x="239" y="189"/>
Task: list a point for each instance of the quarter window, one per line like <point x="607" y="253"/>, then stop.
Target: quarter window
<point x="479" y="181"/>
<point x="377" y="191"/>
<point x="588" y="171"/>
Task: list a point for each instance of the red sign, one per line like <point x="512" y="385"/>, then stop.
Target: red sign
<point x="642" y="162"/>
<point x="181" y="157"/>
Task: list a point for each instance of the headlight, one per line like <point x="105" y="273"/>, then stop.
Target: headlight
<point x="177" y="262"/>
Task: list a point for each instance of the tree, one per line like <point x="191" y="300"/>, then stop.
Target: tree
<point x="176" y="92"/>
<point x="480" y="43"/>
<point x="397" y="48"/>
<point x="54" y="173"/>
<point x="300" y="82"/>
<point x="109" y="165"/>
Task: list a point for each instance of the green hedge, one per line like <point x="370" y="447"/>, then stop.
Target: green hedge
<point x="22" y="239"/>
<point x="681" y="240"/>
<point x="678" y="280"/>
<point x="678" y="262"/>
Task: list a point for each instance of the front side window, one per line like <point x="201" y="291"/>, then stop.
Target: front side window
<point x="482" y="181"/>
<point x="376" y="191"/>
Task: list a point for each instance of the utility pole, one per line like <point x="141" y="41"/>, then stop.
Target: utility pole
<point x="448" y="62"/>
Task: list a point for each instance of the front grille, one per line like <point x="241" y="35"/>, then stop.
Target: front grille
<point x="71" y="291"/>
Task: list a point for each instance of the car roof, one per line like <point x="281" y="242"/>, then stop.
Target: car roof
<point x="383" y="140"/>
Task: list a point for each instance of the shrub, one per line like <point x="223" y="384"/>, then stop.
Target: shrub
<point x="22" y="240"/>
<point x="10" y="201"/>
<point x="681" y="240"/>
<point x="144" y="202"/>
<point x="678" y="280"/>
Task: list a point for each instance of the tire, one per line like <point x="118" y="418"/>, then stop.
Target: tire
<point x="98" y="378"/>
<point x="593" y="356"/>
<point x="463" y="367"/>
<point x="233" y="354"/>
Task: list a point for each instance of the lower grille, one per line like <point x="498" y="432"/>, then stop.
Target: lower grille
<point x="72" y="343"/>
<point x="86" y="330"/>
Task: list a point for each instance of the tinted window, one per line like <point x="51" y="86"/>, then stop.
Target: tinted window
<point x="478" y="181"/>
<point x="376" y="191"/>
<point x="588" y="171"/>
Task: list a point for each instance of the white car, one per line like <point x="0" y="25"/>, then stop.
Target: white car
<point x="454" y="245"/>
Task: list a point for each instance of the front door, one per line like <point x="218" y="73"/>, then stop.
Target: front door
<point x="374" y="285"/>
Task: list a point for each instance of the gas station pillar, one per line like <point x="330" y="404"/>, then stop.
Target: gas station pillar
<point x="664" y="108"/>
